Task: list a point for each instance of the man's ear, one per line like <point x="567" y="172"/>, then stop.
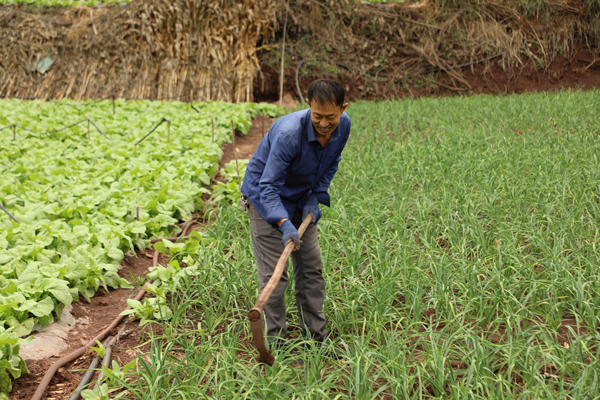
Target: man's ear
<point x="308" y="102"/>
<point x="344" y="107"/>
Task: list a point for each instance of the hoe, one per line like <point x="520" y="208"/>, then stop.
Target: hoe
<point x="255" y="314"/>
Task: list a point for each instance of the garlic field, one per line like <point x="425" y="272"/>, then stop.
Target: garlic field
<point x="461" y="261"/>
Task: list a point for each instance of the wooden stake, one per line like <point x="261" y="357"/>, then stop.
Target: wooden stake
<point x="14" y="132"/>
<point x="137" y="216"/>
<point x="89" y="138"/>
<point x="283" y="56"/>
<point x="237" y="166"/>
<point x="212" y="122"/>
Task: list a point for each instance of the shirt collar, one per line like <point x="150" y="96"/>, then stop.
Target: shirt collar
<point x="311" y="130"/>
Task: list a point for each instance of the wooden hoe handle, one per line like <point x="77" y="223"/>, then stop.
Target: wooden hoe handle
<point x="255" y="314"/>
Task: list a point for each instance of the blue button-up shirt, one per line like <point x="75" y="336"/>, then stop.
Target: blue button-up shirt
<point x="290" y="164"/>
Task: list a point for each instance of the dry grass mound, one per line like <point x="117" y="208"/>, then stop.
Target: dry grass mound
<point x="182" y="49"/>
<point x="399" y="42"/>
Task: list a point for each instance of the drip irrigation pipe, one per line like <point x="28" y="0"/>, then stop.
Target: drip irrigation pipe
<point x="89" y="374"/>
<point x="102" y="133"/>
<point x="149" y="133"/>
<point x="81" y="351"/>
<point x="106" y="358"/>
<point x="6" y="127"/>
<point x="22" y="127"/>
<point x="9" y="214"/>
<point x="66" y="127"/>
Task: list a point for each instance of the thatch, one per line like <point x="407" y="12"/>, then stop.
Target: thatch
<point x="186" y="49"/>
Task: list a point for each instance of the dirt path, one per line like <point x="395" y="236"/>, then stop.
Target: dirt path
<point x="105" y="307"/>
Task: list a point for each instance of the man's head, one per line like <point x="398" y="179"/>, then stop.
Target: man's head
<point x="326" y="102"/>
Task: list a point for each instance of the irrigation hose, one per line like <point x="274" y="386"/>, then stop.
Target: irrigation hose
<point x="106" y="358"/>
<point x="9" y="214"/>
<point x="149" y="133"/>
<point x="81" y="351"/>
<point x="88" y="375"/>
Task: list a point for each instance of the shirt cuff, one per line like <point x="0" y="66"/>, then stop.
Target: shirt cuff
<point x="276" y="217"/>
<point x="323" y="198"/>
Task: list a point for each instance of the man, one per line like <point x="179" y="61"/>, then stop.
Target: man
<point x="288" y="177"/>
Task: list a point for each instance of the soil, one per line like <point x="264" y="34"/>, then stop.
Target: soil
<point x="582" y="71"/>
<point x="105" y="307"/>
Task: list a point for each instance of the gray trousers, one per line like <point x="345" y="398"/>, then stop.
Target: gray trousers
<point x="308" y="277"/>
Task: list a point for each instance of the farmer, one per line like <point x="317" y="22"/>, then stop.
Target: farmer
<point x="287" y="178"/>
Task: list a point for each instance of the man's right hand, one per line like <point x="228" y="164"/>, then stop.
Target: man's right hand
<point x="289" y="233"/>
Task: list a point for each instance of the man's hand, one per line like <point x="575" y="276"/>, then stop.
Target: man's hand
<point x="289" y="233"/>
<point x="312" y="207"/>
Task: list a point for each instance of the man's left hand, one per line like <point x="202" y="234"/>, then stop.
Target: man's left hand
<point x="312" y="207"/>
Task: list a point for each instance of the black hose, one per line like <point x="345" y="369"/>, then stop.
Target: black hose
<point x="98" y="129"/>
<point x="153" y="129"/>
<point x="27" y="129"/>
<point x="106" y="358"/>
<point x="9" y="214"/>
<point x="88" y="375"/>
<point x="66" y="127"/>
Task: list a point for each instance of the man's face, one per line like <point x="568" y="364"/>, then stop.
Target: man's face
<point x="325" y="117"/>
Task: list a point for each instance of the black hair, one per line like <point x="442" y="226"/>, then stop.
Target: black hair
<point x="324" y="91"/>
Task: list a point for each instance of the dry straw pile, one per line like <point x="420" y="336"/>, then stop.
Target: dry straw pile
<point x="403" y="41"/>
<point x="181" y="49"/>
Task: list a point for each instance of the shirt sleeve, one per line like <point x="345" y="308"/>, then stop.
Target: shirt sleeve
<point x="322" y="186"/>
<point x="283" y="151"/>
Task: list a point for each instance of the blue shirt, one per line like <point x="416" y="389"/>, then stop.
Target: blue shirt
<point x="290" y="164"/>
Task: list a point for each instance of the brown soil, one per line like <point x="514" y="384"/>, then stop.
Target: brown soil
<point x="105" y="307"/>
<point x="582" y="71"/>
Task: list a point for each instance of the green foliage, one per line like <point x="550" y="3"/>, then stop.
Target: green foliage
<point x="229" y="191"/>
<point x="150" y="309"/>
<point x="10" y="362"/>
<point x="100" y="350"/>
<point x="460" y="255"/>
<point x="101" y="392"/>
<point x="76" y="192"/>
